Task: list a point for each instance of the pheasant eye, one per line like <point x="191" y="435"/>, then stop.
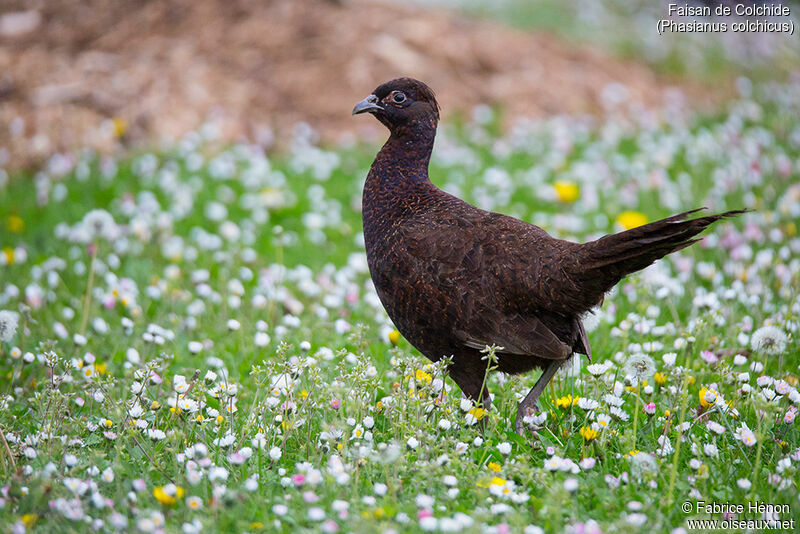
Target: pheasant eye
<point x="399" y="98"/>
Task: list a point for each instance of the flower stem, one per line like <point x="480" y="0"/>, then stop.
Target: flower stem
<point x="673" y="475"/>
<point x="490" y="359"/>
<point x="758" y="453"/>
<point x="635" y="419"/>
<point x="87" y="298"/>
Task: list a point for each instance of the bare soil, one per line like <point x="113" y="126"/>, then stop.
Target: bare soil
<point x="163" y="67"/>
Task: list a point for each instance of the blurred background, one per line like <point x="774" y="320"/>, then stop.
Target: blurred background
<point x="113" y="73"/>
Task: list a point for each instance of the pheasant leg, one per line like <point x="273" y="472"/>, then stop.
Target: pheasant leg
<point x="528" y="404"/>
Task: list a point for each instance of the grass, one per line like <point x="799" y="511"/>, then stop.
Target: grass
<point x="230" y="307"/>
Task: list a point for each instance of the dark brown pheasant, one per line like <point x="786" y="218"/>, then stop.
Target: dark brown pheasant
<point x="455" y="278"/>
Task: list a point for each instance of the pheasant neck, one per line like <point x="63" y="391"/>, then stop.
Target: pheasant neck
<point x="404" y="158"/>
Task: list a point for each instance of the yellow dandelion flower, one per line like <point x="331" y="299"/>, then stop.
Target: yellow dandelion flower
<point x="494" y="466"/>
<point x="162" y="497"/>
<point x="9" y="252"/>
<point x="497" y="481"/>
<point x="567" y="191"/>
<point x="707" y="397"/>
<point x="15" y="224"/>
<point x="478" y="413"/>
<point x="256" y="525"/>
<point x="631" y="219"/>
<point x="304" y="394"/>
<point x="101" y="368"/>
<point x="394" y="337"/>
<point x="660" y="378"/>
<point x="422" y="376"/>
<point x="588" y="433"/>
<point x="120" y="126"/>
<point x="165" y="498"/>
<point x="29" y="520"/>
<point x="219" y="419"/>
<point x="567" y="401"/>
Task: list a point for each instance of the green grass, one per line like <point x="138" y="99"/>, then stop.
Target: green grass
<point x="297" y="246"/>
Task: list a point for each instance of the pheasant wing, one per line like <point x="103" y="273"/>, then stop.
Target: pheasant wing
<point x="466" y="261"/>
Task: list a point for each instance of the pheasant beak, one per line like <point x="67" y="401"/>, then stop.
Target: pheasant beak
<point x="368" y="105"/>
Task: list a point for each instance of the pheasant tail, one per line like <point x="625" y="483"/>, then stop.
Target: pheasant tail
<point x="606" y="261"/>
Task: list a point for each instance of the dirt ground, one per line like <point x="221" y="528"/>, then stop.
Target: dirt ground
<point x="82" y="73"/>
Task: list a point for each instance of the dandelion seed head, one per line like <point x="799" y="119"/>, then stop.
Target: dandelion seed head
<point x="8" y="325"/>
<point x="769" y="340"/>
<point x="640" y="366"/>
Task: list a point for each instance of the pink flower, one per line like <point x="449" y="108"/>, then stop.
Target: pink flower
<point x="708" y="356"/>
<point x="299" y="479"/>
<point x="587" y="463"/>
<point x="650" y="408"/>
<point x="590" y="527"/>
<point x="335" y="404"/>
<point x="791" y="413"/>
<point x="422" y="514"/>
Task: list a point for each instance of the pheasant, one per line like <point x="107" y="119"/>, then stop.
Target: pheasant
<point x="455" y="279"/>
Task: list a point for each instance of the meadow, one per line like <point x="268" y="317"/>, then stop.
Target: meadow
<point x="190" y="341"/>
